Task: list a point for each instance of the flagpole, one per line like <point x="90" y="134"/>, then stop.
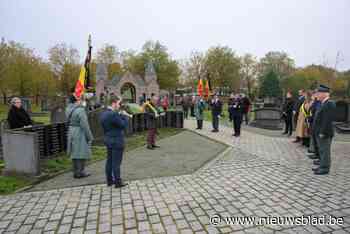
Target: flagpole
<point x="87" y="64"/>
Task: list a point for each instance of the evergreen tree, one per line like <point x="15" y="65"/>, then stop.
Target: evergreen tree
<point x="270" y="85"/>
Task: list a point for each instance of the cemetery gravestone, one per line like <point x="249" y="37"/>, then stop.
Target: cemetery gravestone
<point x="268" y="118"/>
<point x="24" y="159"/>
<point x="58" y="115"/>
<point x="341" y="112"/>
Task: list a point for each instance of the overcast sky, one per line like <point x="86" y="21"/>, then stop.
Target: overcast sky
<point x="310" y="31"/>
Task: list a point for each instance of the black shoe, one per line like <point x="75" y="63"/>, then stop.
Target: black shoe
<point x="150" y="147"/>
<point x="313" y="157"/>
<point x="76" y="176"/>
<point x="109" y="184"/>
<point x="321" y="172"/>
<point x="316" y="162"/>
<point x="155" y="146"/>
<point x="120" y="185"/>
<point x="315" y="168"/>
<point x="84" y="175"/>
<point x="284" y="133"/>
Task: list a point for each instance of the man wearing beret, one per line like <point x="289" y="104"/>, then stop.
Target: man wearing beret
<point x="324" y="132"/>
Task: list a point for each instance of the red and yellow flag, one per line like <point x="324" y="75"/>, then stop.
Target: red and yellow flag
<point x="80" y="86"/>
<point x="200" y="88"/>
<point x="207" y="90"/>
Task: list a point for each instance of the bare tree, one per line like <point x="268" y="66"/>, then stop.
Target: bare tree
<point x="249" y="72"/>
<point x="64" y="61"/>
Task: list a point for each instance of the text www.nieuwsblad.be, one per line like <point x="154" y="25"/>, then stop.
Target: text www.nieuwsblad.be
<point x="273" y="220"/>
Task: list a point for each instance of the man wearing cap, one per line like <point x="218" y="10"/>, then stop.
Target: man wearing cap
<point x="323" y="129"/>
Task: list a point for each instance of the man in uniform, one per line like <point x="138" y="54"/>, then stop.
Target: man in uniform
<point x="114" y="123"/>
<point x="315" y="106"/>
<point x="216" y="109"/>
<point x="235" y="112"/>
<point x="324" y="131"/>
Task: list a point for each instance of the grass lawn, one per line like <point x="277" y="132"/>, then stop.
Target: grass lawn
<point x="61" y="163"/>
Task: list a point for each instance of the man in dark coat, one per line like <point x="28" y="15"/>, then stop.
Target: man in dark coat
<point x="216" y="109"/>
<point x="185" y="102"/>
<point x="17" y="116"/>
<point x="324" y="131"/>
<point x="296" y="110"/>
<point x="288" y="114"/>
<point x="114" y="123"/>
<point x="235" y="109"/>
<point x="313" y="152"/>
<point x="245" y="108"/>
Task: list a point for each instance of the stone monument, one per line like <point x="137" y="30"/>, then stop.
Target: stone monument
<point x="129" y="86"/>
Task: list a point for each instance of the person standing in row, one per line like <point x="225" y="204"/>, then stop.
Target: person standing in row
<point x="185" y="102"/>
<point x="216" y="109"/>
<point x="165" y="102"/>
<point x="199" y="110"/>
<point x="193" y="103"/>
<point x="288" y="114"/>
<point x="79" y="137"/>
<point x="113" y="124"/>
<point x="302" y="129"/>
<point x="245" y="108"/>
<point x="235" y="112"/>
<point x="296" y="110"/>
<point x="324" y="131"/>
<point x="313" y="152"/>
<point x="17" y="116"/>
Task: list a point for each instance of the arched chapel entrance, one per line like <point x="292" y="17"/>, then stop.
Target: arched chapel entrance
<point x="128" y="93"/>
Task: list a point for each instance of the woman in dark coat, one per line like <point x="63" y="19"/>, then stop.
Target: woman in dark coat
<point x="17" y="116"/>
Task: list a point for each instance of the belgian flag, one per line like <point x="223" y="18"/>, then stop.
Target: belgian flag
<point x="80" y="85"/>
<point x="200" y="88"/>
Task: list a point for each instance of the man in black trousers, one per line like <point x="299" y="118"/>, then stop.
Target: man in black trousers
<point x="313" y="152"/>
<point x="288" y="114"/>
<point x="114" y="123"/>
<point x="324" y="131"/>
<point x="235" y="109"/>
<point x="245" y="108"/>
<point x="216" y="109"/>
<point x="296" y="110"/>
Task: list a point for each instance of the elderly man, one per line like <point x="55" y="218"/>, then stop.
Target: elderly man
<point x="17" y="116"/>
<point x="79" y="137"/>
<point x="323" y="130"/>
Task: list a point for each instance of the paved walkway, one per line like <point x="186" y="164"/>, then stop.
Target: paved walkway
<point x="258" y="176"/>
<point x="141" y="163"/>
